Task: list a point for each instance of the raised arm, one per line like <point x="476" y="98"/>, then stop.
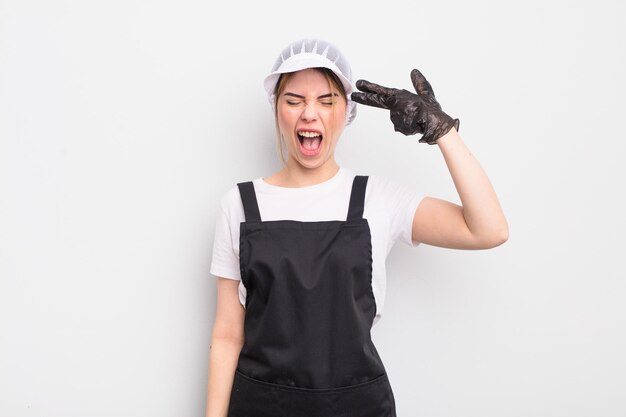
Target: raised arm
<point x="479" y="222"/>
<point x="226" y="342"/>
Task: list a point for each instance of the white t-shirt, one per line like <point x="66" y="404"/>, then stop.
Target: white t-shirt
<point x="389" y="210"/>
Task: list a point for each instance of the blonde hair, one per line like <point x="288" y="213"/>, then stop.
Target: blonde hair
<point x="333" y="81"/>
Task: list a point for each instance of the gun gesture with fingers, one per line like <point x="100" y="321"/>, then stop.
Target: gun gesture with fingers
<point x="410" y="113"/>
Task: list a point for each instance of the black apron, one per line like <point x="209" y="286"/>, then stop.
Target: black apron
<point x="309" y="311"/>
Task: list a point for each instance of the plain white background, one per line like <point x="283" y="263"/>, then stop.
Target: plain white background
<point x="122" y="123"/>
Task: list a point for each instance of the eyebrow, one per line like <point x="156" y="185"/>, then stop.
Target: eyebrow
<point x="302" y="97"/>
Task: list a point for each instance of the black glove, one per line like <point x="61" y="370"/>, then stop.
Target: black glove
<point x="410" y="113"/>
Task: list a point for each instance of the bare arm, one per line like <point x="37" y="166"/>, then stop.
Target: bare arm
<point x="226" y="342"/>
<point x="479" y="223"/>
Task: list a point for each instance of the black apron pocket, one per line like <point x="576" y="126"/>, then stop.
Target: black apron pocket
<point x="253" y="398"/>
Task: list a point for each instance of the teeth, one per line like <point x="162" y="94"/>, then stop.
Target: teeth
<point x="309" y="134"/>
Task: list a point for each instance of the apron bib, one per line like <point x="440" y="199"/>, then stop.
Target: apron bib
<point x="309" y="311"/>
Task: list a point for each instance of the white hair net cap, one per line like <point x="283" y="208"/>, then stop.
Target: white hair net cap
<point x="312" y="53"/>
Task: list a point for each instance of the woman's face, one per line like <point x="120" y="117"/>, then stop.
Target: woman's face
<point x="311" y="116"/>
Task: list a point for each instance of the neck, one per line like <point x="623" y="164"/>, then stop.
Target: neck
<point x="294" y="175"/>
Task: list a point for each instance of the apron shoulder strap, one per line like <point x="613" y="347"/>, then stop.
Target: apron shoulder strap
<point x="357" y="197"/>
<point x="248" y="198"/>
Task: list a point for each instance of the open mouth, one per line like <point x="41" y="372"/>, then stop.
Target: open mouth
<point x="310" y="141"/>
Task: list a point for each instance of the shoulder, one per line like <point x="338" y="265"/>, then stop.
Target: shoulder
<point x="391" y="195"/>
<point x="230" y="197"/>
<point x="380" y="185"/>
<point x="230" y="203"/>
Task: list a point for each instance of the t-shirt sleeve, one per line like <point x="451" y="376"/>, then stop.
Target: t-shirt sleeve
<point x="402" y="202"/>
<point x="225" y="260"/>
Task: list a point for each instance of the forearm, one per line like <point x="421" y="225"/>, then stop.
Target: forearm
<point x="223" y="358"/>
<point x="481" y="209"/>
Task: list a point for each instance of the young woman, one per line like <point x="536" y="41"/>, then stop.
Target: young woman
<point x="300" y="254"/>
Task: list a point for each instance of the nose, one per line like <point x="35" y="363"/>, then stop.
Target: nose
<point x="309" y="112"/>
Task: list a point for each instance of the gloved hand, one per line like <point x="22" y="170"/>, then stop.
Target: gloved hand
<point x="410" y="113"/>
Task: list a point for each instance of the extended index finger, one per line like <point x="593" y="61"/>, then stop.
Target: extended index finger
<point x="369" y="87"/>
<point x="370" y="99"/>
